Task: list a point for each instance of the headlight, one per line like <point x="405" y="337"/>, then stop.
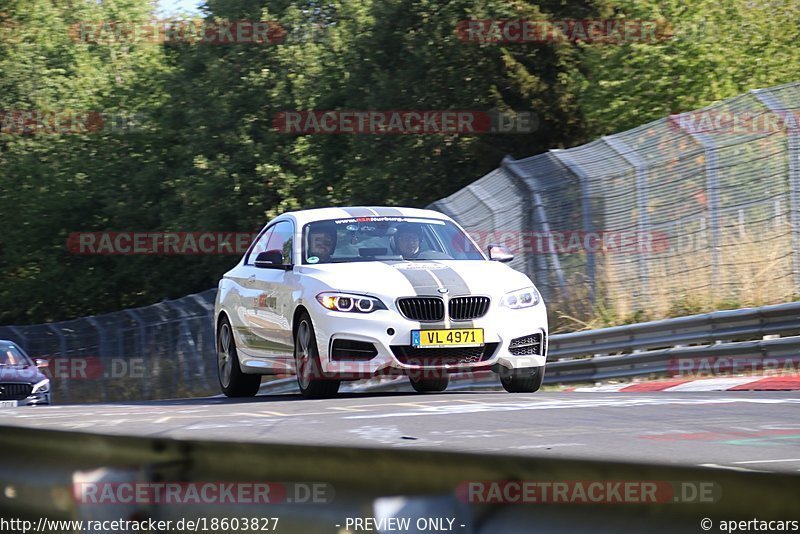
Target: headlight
<point x="521" y="298"/>
<point x="346" y="302"/>
<point x="42" y="387"/>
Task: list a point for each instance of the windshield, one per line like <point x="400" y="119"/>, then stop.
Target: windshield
<point x="11" y="356"/>
<point x="385" y="239"/>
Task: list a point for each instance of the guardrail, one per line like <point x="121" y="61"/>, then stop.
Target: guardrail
<point x="707" y="328"/>
<point x="45" y="474"/>
<point x="655" y="347"/>
<point x="662" y="346"/>
<point x="174" y="342"/>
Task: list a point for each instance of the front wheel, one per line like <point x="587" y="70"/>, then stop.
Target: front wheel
<point x="522" y="380"/>
<point x="429" y="385"/>
<point x="306" y="359"/>
<point x="232" y="381"/>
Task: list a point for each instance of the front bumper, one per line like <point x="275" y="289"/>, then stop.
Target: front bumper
<point x="36" y="399"/>
<point x="500" y="326"/>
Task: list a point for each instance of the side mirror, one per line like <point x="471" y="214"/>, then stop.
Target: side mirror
<point x="41" y="363"/>
<point x="500" y="253"/>
<point x="271" y="259"/>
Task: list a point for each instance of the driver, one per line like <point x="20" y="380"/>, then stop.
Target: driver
<point x="321" y="243"/>
<point x="409" y="237"/>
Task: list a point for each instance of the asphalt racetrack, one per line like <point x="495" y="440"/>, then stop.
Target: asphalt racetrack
<point x="740" y="430"/>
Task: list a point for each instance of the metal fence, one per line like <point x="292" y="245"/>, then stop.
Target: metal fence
<point x="763" y="341"/>
<point x="165" y="350"/>
<point x="667" y="214"/>
<point x="694" y="209"/>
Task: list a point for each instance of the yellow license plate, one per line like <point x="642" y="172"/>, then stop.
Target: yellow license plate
<point x="456" y="337"/>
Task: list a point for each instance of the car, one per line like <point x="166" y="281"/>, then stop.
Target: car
<point x="346" y="293"/>
<point x="21" y="381"/>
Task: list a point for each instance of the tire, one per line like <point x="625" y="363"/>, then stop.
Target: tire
<point x="522" y="380"/>
<point x="307" y="366"/>
<point x="232" y="381"/>
<point x="429" y="385"/>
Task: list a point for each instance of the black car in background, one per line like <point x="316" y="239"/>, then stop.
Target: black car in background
<point x="22" y="383"/>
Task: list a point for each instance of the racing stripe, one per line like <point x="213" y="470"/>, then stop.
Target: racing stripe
<point x="358" y="212"/>
<point x="343" y="215"/>
<point x="426" y="283"/>
<point x="389" y="212"/>
<point x="452" y="280"/>
<point x="446" y="298"/>
<point x="420" y="279"/>
<point x="372" y="211"/>
<point x="456" y="287"/>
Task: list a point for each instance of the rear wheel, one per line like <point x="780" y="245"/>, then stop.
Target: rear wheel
<point x="306" y="359"/>
<point x="522" y="380"/>
<point x="429" y="384"/>
<point x="232" y="381"/>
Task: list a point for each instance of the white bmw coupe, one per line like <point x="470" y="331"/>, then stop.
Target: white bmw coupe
<point x="338" y="294"/>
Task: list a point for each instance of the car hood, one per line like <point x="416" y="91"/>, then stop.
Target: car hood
<point x="29" y="374"/>
<point x="401" y="278"/>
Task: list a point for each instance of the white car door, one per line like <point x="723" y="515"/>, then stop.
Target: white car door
<point x="243" y="296"/>
<point x="268" y="316"/>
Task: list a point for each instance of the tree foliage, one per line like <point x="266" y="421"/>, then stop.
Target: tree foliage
<point x="204" y="154"/>
<point x="711" y="50"/>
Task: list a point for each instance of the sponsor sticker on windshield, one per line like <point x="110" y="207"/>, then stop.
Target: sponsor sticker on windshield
<point x="420" y="266"/>
<point x="387" y="218"/>
<point x="351" y="220"/>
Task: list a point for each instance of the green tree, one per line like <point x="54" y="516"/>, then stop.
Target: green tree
<point x="52" y="184"/>
<point x="710" y="50"/>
